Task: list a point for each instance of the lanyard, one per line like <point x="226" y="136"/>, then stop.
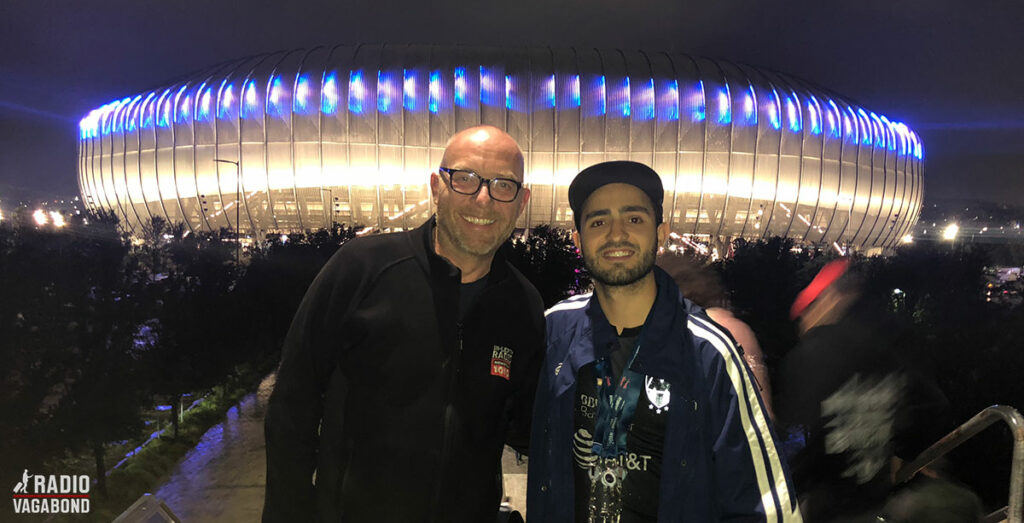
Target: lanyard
<point x="617" y="406"/>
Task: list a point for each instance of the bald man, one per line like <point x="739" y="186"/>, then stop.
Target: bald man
<point x="412" y="360"/>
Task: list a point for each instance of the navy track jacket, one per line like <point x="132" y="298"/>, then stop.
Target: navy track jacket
<point x="720" y="462"/>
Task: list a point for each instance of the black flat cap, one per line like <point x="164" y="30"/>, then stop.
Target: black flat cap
<point x="596" y="176"/>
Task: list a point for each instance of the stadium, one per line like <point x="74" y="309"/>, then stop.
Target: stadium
<point x="298" y="140"/>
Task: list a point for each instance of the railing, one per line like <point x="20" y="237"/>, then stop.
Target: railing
<point x="1012" y="512"/>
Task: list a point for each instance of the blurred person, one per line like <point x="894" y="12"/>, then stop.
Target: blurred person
<point x="848" y="392"/>
<point x="644" y="411"/>
<point x="703" y="287"/>
<point x="412" y="360"/>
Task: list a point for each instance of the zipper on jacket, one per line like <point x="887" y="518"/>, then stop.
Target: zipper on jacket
<point x="449" y="413"/>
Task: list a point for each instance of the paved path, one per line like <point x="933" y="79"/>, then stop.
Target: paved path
<point x="223" y="478"/>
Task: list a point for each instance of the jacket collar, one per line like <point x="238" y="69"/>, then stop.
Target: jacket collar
<point x="660" y="338"/>
<point x="422" y="243"/>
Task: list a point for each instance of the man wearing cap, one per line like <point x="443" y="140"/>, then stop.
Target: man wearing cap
<point x="412" y="360"/>
<point x="645" y="410"/>
<point x="847" y="392"/>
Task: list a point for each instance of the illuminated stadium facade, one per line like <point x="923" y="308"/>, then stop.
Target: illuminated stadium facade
<point x="349" y="134"/>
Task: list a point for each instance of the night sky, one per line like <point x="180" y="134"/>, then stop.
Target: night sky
<point x="951" y="70"/>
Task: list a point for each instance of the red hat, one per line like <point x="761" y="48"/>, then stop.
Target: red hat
<point x="826" y="276"/>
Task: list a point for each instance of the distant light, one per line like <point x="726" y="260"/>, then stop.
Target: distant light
<point x="276" y="96"/>
<point x="508" y="92"/>
<point x="774" y="115"/>
<point x="203" y="111"/>
<point x="644" y="102"/>
<point x="57" y="218"/>
<point x="600" y="88"/>
<point x="907" y="238"/>
<point x="626" y="98"/>
<point x="284" y="238"/>
<point x="249" y="107"/>
<point x="40" y="217"/>
<point x="812" y="110"/>
<point x="950" y="232"/>
<point x="329" y="94"/>
<point x="897" y="291"/>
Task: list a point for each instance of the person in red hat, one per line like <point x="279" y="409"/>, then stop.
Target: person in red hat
<point x="848" y="392"/>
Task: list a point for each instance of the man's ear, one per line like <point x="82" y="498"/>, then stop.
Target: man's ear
<point x="662" y="233"/>
<point x="523" y="201"/>
<point x="576" y="241"/>
<point x="435" y="187"/>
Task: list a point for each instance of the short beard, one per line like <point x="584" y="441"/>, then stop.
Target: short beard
<point x="624" y="276"/>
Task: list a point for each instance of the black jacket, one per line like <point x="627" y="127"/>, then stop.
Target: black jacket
<point x="411" y="405"/>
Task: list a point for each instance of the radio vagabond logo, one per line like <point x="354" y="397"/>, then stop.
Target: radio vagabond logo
<point x="51" y="494"/>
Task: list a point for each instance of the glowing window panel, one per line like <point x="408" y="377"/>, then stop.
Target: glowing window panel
<point x="300" y="103"/>
<point x="148" y="111"/>
<point x="549" y="91"/>
<point x="329" y="94"/>
<point x="812" y="111"/>
<point x="249" y="104"/>
<point x="508" y="92"/>
<point x="724" y="106"/>
<point x="203" y="109"/>
<point x="670" y="101"/>
<point x="626" y="97"/>
<point x="460" y="87"/>
<point x="890" y="132"/>
<point x="104" y="120"/>
<point x="600" y="95"/>
<point x="130" y="114"/>
<point x="644" y="102"/>
<point x="387" y="92"/>
<point x="356" y="92"/>
<point x="863" y="120"/>
<point x="574" y="91"/>
<point x="184" y="109"/>
<point x="833" y="120"/>
<point x="749" y="108"/>
<point x="434" y="93"/>
<point x="276" y="97"/>
<point x="878" y="130"/>
<point x="775" y="111"/>
<point x="699" y="108"/>
<point x="793" y="114"/>
<point x="409" y="90"/>
<point x="490" y="90"/>
<point x="164" y="116"/>
<point x="227" y="98"/>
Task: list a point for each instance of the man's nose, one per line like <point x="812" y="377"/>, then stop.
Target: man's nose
<point x="483" y="196"/>
<point x="617" y="229"/>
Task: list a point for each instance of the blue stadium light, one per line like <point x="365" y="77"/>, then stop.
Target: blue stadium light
<point x="878" y="130"/>
<point x="203" y="107"/>
<point x="184" y="109"/>
<point x="890" y="132"/>
<point x="508" y="92"/>
<point x="699" y="107"/>
<point x="130" y="114"/>
<point x="600" y="94"/>
<point x="434" y="94"/>
<point x="275" y="105"/>
<point x="122" y="109"/>
<point x="300" y="103"/>
<point x="793" y="114"/>
<point x="834" y="121"/>
<point x="574" y="91"/>
<point x="164" y="110"/>
<point x="227" y="98"/>
<point x="626" y="98"/>
<point x="460" y="87"/>
<point x="550" y="91"/>
<point x="409" y="90"/>
<point x="670" y="102"/>
<point x="812" y="110"/>
<point x="645" y="101"/>
<point x="865" y="122"/>
<point x="250" y="101"/>
<point x="329" y="94"/>
<point x="489" y="88"/>
<point x="750" y="107"/>
<point x="386" y="91"/>
<point x="356" y="92"/>
<point x="724" y="106"/>
<point x="148" y="111"/>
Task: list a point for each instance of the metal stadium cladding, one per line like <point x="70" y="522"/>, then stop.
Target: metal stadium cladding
<point x="349" y="134"/>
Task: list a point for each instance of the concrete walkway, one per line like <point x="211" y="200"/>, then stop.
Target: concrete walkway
<point x="223" y="478"/>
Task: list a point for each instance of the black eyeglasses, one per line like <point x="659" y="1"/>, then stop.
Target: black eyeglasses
<point x="469" y="182"/>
